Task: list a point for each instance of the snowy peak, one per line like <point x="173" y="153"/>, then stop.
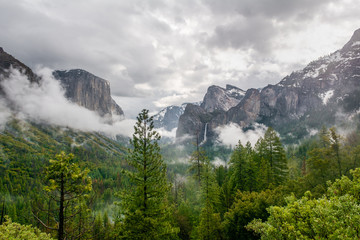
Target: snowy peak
<point x="353" y="42"/>
<point x="235" y="92"/>
<point x="332" y="70"/>
<point x="168" y="117"/>
<point x="307" y="98"/>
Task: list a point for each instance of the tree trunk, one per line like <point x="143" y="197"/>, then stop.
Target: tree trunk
<point x="61" y="210"/>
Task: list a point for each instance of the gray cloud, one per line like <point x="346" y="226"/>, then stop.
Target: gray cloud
<point x="254" y="32"/>
<point x="255" y="23"/>
<point x="171" y="51"/>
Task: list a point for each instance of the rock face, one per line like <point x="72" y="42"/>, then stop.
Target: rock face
<point x="247" y="110"/>
<point x="302" y="100"/>
<point x="89" y="91"/>
<point x="168" y="118"/>
<point x="218" y="98"/>
<point x="7" y="61"/>
<point x="193" y="121"/>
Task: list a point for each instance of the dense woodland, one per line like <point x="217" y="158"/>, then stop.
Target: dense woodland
<point x="61" y="184"/>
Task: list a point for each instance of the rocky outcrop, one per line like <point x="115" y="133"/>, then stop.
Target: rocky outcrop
<point x="89" y="91"/>
<point x="305" y="99"/>
<point x="7" y="62"/>
<point x="247" y="110"/>
<point x="218" y="98"/>
<point x="193" y="121"/>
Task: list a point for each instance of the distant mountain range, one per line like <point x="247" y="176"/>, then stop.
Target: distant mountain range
<point x="325" y="91"/>
<point x="317" y="95"/>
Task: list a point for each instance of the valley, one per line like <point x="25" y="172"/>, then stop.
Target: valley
<point x="239" y="164"/>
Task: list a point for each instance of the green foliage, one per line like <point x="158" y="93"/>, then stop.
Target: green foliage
<point x="67" y="185"/>
<point x="243" y="168"/>
<point x="25" y="149"/>
<point x="14" y="231"/>
<point x="333" y="216"/>
<point x="197" y="161"/>
<point x="246" y="207"/>
<point x="144" y="204"/>
<point x="62" y="173"/>
<point x="210" y="222"/>
<point x="272" y="158"/>
<point x="328" y="160"/>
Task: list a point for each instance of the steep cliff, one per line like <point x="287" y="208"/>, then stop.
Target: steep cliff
<point x="88" y="91"/>
<point x="218" y="98"/>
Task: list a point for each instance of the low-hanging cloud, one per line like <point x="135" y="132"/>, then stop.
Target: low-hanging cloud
<point x="231" y="134"/>
<point x="5" y="113"/>
<point x="167" y="134"/>
<point x="45" y="103"/>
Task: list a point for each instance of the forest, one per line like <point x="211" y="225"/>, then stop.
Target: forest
<point x="58" y="184"/>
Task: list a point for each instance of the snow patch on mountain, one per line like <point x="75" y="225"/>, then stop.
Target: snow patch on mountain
<point x="326" y="96"/>
<point x="355" y="43"/>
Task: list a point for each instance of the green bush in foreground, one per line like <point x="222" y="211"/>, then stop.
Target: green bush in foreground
<point x="15" y="231"/>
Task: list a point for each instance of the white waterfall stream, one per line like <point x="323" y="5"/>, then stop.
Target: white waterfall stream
<point x="205" y="132"/>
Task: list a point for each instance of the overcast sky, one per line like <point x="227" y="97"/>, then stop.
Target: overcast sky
<point x="158" y="53"/>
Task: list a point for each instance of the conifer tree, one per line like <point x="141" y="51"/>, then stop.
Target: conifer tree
<point x="335" y="146"/>
<point x="144" y="205"/>
<point x="242" y="168"/>
<point x="210" y="221"/>
<point x="197" y="160"/>
<point x="67" y="185"/>
<point x="271" y="154"/>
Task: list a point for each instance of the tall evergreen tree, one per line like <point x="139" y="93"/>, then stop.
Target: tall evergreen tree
<point x="335" y="146"/>
<point x="272" y="157"/>
<point x="144" y="206"/>
<point x="210" y="221"/>
<point x="67" y="185"/>
<point x="242" y="168"/>
<point x="197" y="160"/>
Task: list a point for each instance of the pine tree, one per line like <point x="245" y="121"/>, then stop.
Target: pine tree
<point x="238" y="167"/>
<point x="242" y="168"/>
<point x="144" y="206"/>
<point x="271" y="155"/>
<point x="335" y="146"/>
<point x="68" y="186"/>
<point x="210" y="221"/>
<point x="197" y="160"/>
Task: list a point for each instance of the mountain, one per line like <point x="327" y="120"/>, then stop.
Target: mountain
<point x="81" y="87"/>
<point x="89" y="91"/>
<point x="316" y="95"/>
<point x="168" y="118"/>
<point x="7" y="61"/>
<point x="201" y="120"/>
<point x="218" y="98"/>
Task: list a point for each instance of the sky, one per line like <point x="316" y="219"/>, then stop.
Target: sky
<point x="160" y="53"/>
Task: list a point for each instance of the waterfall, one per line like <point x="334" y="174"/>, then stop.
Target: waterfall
<point x="205" y="132"/>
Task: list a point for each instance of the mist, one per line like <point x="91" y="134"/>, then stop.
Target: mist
<point x="230" y="134"/>
<point x="46" y="103"/>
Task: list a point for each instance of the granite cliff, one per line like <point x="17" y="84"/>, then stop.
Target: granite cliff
<point x="89" y="91"/>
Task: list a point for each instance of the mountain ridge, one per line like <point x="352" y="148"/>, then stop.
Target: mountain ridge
<point x="300" y="101"/>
